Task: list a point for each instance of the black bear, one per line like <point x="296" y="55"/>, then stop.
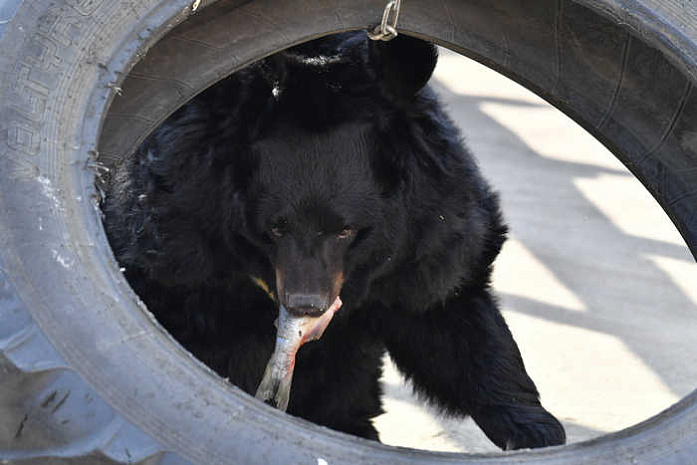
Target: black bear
<point x="327" y="170"/>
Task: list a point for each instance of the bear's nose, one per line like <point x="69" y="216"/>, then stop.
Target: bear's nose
<point x="306" y="304"/>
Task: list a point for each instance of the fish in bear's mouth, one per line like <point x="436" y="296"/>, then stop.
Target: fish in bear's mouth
<point x="292" y="331"/>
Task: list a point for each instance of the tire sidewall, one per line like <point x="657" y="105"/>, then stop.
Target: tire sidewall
<point x="62" y="64"/>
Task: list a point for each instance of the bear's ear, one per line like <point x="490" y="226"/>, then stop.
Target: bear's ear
<point x="404" y="64"/>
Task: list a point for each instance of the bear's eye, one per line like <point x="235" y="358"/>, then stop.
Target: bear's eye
<point x="345" y="233"/>
<point x="279" y="228"/>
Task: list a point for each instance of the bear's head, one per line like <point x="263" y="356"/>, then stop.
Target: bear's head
<point x="323" y="175"/>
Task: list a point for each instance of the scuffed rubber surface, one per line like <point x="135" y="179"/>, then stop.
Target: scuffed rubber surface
<point x="87" y="377"/>
<point x="8" y="8"/>
<point x="48" y="413"/>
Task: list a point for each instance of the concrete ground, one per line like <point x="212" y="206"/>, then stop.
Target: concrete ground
<point x="596" y="284"/>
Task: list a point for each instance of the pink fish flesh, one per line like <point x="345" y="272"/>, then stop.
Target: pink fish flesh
<point x="292" y="332"/>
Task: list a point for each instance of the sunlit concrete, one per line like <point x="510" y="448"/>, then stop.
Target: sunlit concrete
<point x="630" y="208"/>
<point x="510" y="280"/>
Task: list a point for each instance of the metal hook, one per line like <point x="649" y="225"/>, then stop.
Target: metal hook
<point x="387" y="30"/>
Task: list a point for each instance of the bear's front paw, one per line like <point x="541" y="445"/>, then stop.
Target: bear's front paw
<point x="520" y="426"/>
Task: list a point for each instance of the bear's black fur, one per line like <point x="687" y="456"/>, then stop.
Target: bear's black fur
<point x="329" y="168"/>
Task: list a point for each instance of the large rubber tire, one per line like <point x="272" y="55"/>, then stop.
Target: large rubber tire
<point x="86" y="376"/>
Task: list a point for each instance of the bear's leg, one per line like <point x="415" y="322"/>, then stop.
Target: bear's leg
<point x="336" y="381"/>
<point x="461" y="355"/>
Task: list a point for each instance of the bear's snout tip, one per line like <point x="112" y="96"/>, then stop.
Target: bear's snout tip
<point x="306" y="304"/>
